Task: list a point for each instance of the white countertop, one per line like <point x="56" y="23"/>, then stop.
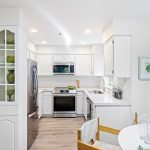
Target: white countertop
<point x="105" y="99"/>
<point x="40" y="90"/>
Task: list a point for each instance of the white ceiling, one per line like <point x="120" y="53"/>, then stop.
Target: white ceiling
<point x="72" y="17"/>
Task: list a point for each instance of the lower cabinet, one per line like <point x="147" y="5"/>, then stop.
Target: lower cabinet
<point x="113" y="116"/>
<point x="80" y="95"/>
<point x="85" y="106"/>
<point x="8" y="132"/>
<point x="45" y="104"/>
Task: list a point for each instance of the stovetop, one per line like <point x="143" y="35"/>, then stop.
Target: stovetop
<point x="63" y="90"/>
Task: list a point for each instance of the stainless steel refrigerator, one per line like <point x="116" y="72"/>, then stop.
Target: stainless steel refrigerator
<point x="32" y="105"/>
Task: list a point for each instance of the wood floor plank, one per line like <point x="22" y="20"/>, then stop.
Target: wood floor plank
<point x="57" y="134"/>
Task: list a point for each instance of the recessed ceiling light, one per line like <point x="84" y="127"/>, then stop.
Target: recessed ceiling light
<point x="43" y="42"/>
<point x="87" y="31"/>
<point x="60" y="33"/>
<point x="82" y="42"/>
<point x="33" y="30"/>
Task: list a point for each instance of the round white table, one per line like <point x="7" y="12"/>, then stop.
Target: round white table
<point x="129" y="138"/>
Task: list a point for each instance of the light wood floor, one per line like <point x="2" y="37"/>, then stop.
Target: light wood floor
<point x="57" y="134"/>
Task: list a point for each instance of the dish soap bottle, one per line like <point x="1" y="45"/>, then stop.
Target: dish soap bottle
<point x="78" y="83"/>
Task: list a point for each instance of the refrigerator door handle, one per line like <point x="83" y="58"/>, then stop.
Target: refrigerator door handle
<point x="35" y="90"/>
<point x="32" y="114"/>
<point x="36" y="82"/>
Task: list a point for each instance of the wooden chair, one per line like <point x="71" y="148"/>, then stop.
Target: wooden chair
<point x="135" y="121"/>
<point x="88" y="136"/>
<point x="141" y="118"/>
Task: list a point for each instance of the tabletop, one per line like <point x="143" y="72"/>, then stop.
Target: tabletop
<point x="129" y="138"/>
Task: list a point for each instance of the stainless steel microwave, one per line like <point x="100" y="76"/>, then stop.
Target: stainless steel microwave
<point x="64" y="68"/>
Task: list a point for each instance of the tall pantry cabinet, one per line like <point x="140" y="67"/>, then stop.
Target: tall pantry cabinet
<point x="12" y="84"/>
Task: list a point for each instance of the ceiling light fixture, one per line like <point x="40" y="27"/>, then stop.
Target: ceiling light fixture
<point x="43" y="42"/>
<point x="87" y="31"/>
<point x="33" y="30"/>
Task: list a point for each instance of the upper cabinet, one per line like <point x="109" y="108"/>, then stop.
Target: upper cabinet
<point x="117" y="56"/>
<point x="98" y="60"/>
<point x="64" y="58"/>
<point x="45" y="65"/>
<point x="7" y="65"/>
<point x="84" y="65"/>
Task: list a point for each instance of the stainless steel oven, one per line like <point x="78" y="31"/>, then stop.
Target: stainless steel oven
<point x="64" y="105"/>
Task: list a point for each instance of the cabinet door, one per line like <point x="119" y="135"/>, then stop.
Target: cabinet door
<point x="64" y="58"/>
<point x="40" y="104"/>
<point x="98" y="64"/>
<point x="79" y="103"/>
<point x="122" y="56"/>
<point x="8" y="133"/>
<point x="44" y="65"/>
<point x="8" y="73"/>
<point x="84" y="65"/>
<point x="85" y="106"/>
<point x="109" y="58"/>
<point x="47" y="103"/>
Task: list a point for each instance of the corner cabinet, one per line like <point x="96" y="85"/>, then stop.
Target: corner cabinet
<point x="8" y="102"/>
<point x="84" y="65"/>
<point x="117" y="56"/>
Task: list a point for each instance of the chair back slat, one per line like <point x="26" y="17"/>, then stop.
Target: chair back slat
<point x="89" y="130"/>
<point x="109" y="130"/>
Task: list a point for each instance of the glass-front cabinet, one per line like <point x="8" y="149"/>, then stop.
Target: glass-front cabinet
<point x="7" y="65"/>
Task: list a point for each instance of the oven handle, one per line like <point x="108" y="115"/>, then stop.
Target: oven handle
<point x="64" y="95"/>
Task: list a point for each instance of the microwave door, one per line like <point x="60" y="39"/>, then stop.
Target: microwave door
<point x="61" y="69"/>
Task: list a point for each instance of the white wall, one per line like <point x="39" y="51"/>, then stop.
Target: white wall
<point x="139" y="29"/>
<point x="12" y="16"/>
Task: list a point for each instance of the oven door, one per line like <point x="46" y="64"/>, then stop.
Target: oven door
<point x="64" y="105"/>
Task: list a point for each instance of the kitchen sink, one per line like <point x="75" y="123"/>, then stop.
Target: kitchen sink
<point x="95" y="92"/>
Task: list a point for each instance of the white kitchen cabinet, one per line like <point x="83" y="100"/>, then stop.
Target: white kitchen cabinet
<point x="9" y="78"/>
<point x="64" y="58"/>
<point x="117" y="56"/>
<point x="109" y="58"/>
<point x="40" y="104"/>
<point x="44" y="65"/>
<point x="85" y="106"/>
<point x="47" y="103"/>
<point x="117" y="117"/>
<point x="98" y="60"/>
<point x="8" y="132"/>
<point x="84" y="65"/>
<point x="98" y="64"/>
<point x="80" y="96"/>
